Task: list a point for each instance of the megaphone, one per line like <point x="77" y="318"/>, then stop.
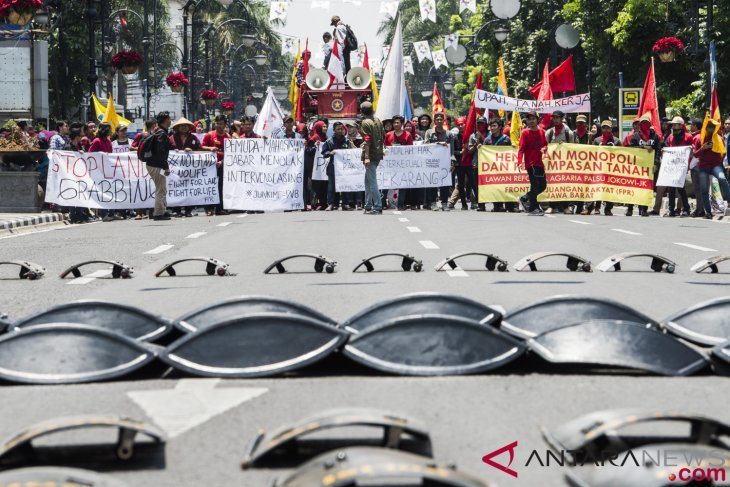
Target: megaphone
<point x="318" y="79"/>
<point x="358" y="78"/>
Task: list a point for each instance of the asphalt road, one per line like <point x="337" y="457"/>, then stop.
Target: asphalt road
<point x="468" y="416"/>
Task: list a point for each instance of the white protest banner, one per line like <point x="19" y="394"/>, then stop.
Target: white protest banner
<point x="674" y="167"/>
<point x="404" y="166"/>
<point x="193" y="179"/>
<point x="319" y="170"/>
<point x="569" y="104"/>
<point x="263" y="174"/>
<point x="121" y="182"/>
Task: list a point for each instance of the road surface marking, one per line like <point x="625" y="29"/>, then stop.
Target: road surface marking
<point x="160" y="249"/>
<point x="396" y="212"/>
<point x="550" y="216"/>
<point x="196" y="235"/>
<point x="242" y="216"/>
<point x="580" y="222"/>
<point x="457" y="272"/>
<point x="427" y="244"/>
<point x="224" y="224"/>
<point x="403" y="220"/>
<point x="91" y="276"/>
<point x="191" y="403"/>
<point x="627" y="232"/>
<point x="696" y="247"/>
<point x="414" y="229"/>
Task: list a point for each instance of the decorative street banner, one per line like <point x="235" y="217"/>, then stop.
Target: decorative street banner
<point x="570" y="104"/>
<point x="574" y="172"/>
<point x="675" y="164"/>
<point x="404" y="166"/>
<point x="319" y="170"/>
<point x="263" y="174"/>
<point x="121" y="182"/>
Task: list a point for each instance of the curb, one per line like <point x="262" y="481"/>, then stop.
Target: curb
<point x="32" y="220"/>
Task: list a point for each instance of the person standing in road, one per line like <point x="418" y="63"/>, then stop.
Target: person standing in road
<point x="647" y="138"/>
<point x="157" y="165"/>
<point x="439" y="135"/>
<point x="532" y="145"/>
<point x="606" y="138"/>
<point x="60" y="139"/>
<point x="120" y="140"/>
<point x="497" y="137"/>
<point x="372" y="153"/>
<point x="338" y="141"/>
<point x="287" y="130"/>
<point x="215" y="141"/>
<point x="710" y="152"/>
<point x="678" y="137"/>
<point x="182" y="139"/>
<point x="560" y="133"/>
<point x="398" y="136"/>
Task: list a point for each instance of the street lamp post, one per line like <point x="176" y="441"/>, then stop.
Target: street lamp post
<point x="92" y="77"/>
<point x="146" y="65"/>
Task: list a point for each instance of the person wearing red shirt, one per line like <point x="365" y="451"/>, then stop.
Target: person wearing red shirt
<point x="182" y="138"/>
<point x="532" y="146"/>
<point x="679" y="137"/>
<point x="710" y="153"/>
<point x="102" y="143"/>
<point x="398" y="136"/>
<point x="247" y="129"/>
<point x="215" y="141"/>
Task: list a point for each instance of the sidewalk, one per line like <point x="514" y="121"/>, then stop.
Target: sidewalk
<point x="9" y="221"/>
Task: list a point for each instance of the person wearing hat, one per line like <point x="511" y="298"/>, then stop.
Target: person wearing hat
<point x="582" y="135"/>
<point x="424" y="123"/>
<point x="372" y="153"/>
<point x="647" y="138"/>
<point x="340" y="36"/>
<point x="559" y="133"/>
<point x="120" y="139"/>
<point x="532" y="145"/>
<point x="679" y="137"/>
<point x="666" y="128"/>
<point x="182" y="138"/>
<point x="494" y="136"/>
<point x="287" y="130"/>
<point x="709" y="148"/>
<point x="458" y="137"/>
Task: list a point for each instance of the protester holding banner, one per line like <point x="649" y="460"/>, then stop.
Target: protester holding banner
<point x="496" y="137"/>
<point x="149" y="127"/>
<point x="560" y="133"/>
<point x="316" y="138"/>
<point x="438" y="135"/>
<point x="582" y="134"/>
<point x="679" y="137"/>
<point x="157" y="165"/>
<point x="287" y="130"/>
<point x="182" y="138"/>
<point x="372" y="153"/>
<point x="77" y="214"/>
<point x="710" y="152"/>
<point x="120" y="140"/>
<point x="102" y="143"/>
<point x="338" y="141"/>
<point x="215" y="141"/>
<point x="532" y="145"/>
<point x="247" y="132"/>
<point x="398" y="136"/>
<point x="646" y="138"/>
<point x="606" y="139"/>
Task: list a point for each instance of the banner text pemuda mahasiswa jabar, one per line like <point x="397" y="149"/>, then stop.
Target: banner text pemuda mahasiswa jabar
<point x="574" y="172"/>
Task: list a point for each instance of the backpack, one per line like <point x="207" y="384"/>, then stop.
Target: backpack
<point x="144" y="151"/>
<point x="350" y="40"/>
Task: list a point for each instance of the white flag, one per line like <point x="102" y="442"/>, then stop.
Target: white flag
<point x="325" y="4"/>
<point x="468" y="5"/>
<point x="423" y="50"/>
<point x="439" y="58"/>
<point x="408" y="65"/>
<point x="271" y="117"/>
<point x="334" y="67"/>
<point x="389" y="8"/>
<point x="428" y="9"/>
<point x="289" y="45"/>
<point x="451" y="40"/>
<point x="386" y="51"/>
<point x="392" y="89"/>
<point x="279" y="10"/>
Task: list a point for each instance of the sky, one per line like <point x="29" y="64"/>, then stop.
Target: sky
<point x="304" y="21"/>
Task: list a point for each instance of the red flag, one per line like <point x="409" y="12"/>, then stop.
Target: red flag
<point x="334" y="67"/>
<point x="649" y="103"/>
<point x="471" y="119"/>
<point x="366" y="59"/>
<point x="437" y="106"/>
<point x="305" y="58"/>
<point x="561" y="78"/>
<point x="715" y="105"/>
<point x="123" y="21"/>
<point x="545" y="93"/>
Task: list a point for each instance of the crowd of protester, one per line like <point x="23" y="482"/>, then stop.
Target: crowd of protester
<point x="705" y="164"/>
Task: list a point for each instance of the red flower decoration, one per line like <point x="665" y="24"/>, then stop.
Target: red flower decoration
<point x="668" y="44"/>
<point x="176" y="79"/>
<point x="228" y="105"/>
<point x="126" y="58"/>
<point x="209" y="95"/>
<point x="20" y="6"/>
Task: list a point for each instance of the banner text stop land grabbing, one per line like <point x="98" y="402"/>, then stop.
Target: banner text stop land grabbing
<point x="574" y="172"/>
<point x="263" y="174"/>
<point x="121" y="182"/>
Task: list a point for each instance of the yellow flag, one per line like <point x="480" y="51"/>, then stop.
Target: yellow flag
<point x="98" y="108"/>
<point x="293" y="86"/>
<point x="501" y="82"/>
<point x="374" y="87"/>
<point x="515" y="129"/>
<point x="718" y="145"/>
<point x="111" y="116"/>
